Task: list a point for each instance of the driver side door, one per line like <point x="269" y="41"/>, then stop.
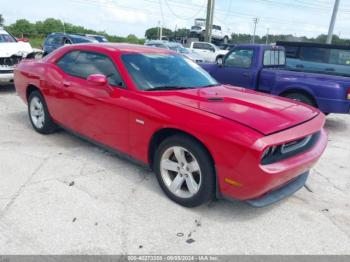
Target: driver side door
<point x="237" y="69"/>
<point x="95" y="112"/>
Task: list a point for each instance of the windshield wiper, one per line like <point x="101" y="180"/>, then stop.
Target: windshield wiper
<point x="157" y="88"/>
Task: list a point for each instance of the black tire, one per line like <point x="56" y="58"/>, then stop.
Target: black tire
<point x="48" y="126"/>
<point x="301" y="98"/>
<point x="206" y="191"/>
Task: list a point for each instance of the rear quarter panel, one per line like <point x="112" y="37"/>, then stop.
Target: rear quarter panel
<point x="321" y="87"/>
<point x="28" y="72"/>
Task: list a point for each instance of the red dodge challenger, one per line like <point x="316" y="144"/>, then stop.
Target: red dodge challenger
<point x="202" y="139"/>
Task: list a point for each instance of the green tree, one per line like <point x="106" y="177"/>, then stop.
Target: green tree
<point x="22" y="27"/>
<point x="153" y="33"/>
<point x="49" y="26"/>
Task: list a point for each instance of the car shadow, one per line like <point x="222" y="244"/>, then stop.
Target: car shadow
<point x="7" y="89"/>
<point x="336" y="125"/>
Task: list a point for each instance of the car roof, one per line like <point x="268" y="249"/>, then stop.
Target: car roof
<point x="122" y="48"/>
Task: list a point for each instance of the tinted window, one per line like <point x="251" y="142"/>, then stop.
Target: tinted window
<point x="240" y="58"/>
<point x="82" y="64"/>
<point x="5" y="38"/>
<point x="313" y="54"/>
<point x="54" y="40"/>
<point x="198" y="46"/>
<point x="339" y="57"/>
<point x="274" y="57"/>
<point x="66" y="63"/>
<point x="151" y="71"/>
<point x="291" y="51"/>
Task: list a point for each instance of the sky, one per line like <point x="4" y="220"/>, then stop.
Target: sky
<point x="122" y="17"/>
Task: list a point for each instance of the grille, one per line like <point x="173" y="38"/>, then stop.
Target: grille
<point x="10" y="61"/>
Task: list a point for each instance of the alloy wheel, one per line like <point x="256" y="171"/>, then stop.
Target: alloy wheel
<point x="180" y="172"/>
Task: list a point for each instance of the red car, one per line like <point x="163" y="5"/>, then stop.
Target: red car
<point x="202" y="139"/>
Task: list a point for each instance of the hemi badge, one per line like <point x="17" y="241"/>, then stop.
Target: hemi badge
<point x="139" y="121"/>
<point x="232" y="182"/>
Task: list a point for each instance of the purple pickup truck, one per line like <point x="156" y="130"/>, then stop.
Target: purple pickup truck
<point x="262" y="68"/>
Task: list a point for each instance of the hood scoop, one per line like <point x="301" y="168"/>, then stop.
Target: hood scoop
<point x="215" y="99"/>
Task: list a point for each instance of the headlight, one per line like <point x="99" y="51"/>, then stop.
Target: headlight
<point x="277" y="153"/>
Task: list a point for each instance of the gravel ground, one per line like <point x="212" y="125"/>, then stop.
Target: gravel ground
<point x="61" y="195"/>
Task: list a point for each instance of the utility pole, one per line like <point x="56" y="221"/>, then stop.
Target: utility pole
<point x="209" y="20"/>
<point x="267" y="36"/>
<point x="334" y="17"/>
<point x="160" y="30"/>
<point x="64" y="27"/>
<point x="256" y="21"/>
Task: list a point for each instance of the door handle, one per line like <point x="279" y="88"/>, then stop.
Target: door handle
<point x="246" y="74"/>
<point x="299" y="66"/>
<point x="66" y="83"/>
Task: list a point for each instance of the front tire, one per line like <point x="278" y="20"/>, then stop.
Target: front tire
<point x="185" y="171"/>
<point x="39" y="115"/>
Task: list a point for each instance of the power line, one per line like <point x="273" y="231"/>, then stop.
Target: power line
<point x="201" y="9"/>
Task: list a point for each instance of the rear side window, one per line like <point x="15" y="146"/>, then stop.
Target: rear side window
<point x="198" y="46"/>
<point x="314" y="54"/>
<point x="339" y="57"/>
<point x="66" y="63"/>
<point x="274" y="58"/>
<point x="292" y="51"/>
<point x="83" y="64"/>
<point x="240" y="58"/>
<point x="54" y="40"/>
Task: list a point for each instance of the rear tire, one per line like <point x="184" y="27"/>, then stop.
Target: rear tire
<point x="39" y="115"/>
<point x="301" y="98"/>
<point x="185" y="171"/>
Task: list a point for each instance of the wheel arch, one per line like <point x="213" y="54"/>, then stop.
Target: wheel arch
<point x="300" y="91"/>
<point x="30" y="89"/>
<point x="160" y="135"/>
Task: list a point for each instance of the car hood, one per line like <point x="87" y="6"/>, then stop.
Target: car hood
<point x="264" y="113"/>
<point x="15" y="48"/>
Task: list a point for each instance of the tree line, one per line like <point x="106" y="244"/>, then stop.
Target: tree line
<point x="40" y="29"/>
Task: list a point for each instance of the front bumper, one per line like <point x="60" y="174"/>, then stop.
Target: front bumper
<point x="250" y="180"/>
<point x="6" y="78"/>
<point x="280" y="193"/>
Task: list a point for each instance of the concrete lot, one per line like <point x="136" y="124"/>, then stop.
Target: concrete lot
<point x="61" y="195"/>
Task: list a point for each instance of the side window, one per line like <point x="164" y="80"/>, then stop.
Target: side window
<point x="209" y="47"/>
<point x="274" y="58"/>
<point x="198" y="46"/>
<point x="66" y="63"/>
<point x="313" y="54"/>
<point x="54" y="40"/>
<point x="89" y="63"/>
<point x="292" y="51"/>
<point x="340" y="57"/>
<point x="240" y="58"/>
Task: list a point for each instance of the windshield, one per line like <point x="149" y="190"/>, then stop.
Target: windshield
<point x="101" y="39"/>
<point x="78" y="40"/>
<point x="167" y="71"/>
<point x="5" y="38"/>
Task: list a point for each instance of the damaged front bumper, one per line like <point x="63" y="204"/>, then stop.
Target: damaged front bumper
<point x="7" y="65"/>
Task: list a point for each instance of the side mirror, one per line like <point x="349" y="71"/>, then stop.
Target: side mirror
<point x="97" y="80"/>
<point x="220" y="62"/>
